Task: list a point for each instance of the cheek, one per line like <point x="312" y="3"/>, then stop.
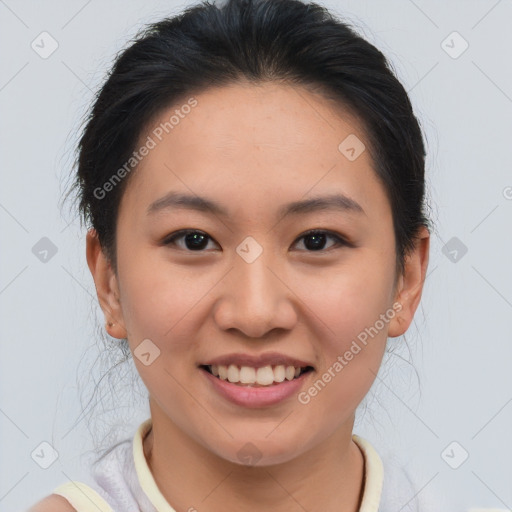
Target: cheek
<point x="155" y="294"/>
<point x="352" y="299"/>
<point x="352" y="339"/>
<point x="353" y="314"/>
<point x="158" y="306"/>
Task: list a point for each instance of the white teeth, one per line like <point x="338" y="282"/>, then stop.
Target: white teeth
<point x="223" y="372"/>
<point x="289" y="372"/>
<point x="247" y="375"/>
<point x="264" y="376"/>
<point x="233" y="373"/>
<point x="279" y="373"/>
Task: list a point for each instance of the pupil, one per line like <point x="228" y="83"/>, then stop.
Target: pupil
<point x="196" y="240"/>
<point x="318" y="241"/>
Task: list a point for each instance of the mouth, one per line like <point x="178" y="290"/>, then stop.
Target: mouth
<point x="248" y="376"/>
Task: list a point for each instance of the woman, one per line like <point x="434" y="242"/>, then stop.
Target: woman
<point x="253" y="179"/>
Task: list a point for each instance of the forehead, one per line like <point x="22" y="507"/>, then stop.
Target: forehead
<point x="258" y="143"/>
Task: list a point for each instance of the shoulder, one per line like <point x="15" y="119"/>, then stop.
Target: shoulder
<point x="52" y="503"/>
<point x="73" y="496"/>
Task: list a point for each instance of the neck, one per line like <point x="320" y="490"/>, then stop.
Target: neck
<point x="329" y="477"/>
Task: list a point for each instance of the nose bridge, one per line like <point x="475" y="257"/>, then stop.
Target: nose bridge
<point x="255" y="300"/>
<point x="255" y="286"/>
<point x="255" y="282"/>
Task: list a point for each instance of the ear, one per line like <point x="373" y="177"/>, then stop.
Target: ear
<point x="410" y="284"/>
<point x="107" y="287"/>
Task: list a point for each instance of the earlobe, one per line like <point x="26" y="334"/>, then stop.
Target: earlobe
<point x="410" y="285"/>
<point x="107" y="289"/>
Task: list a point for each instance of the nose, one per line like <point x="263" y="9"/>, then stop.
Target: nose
<point x="255" y="299"/>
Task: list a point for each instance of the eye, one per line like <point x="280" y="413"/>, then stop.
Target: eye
<point x="315" y="239"/>
<point x="195" y="240"/>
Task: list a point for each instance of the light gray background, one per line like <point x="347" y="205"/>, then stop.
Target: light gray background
<point x="460" y="341"/>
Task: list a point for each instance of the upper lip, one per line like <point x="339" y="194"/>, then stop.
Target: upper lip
<point x="266" y="359"/>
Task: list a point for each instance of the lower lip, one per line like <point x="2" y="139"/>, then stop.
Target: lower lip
<point x="254" y="397"/>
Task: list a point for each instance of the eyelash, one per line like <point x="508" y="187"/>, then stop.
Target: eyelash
<point x="170" y="240"/>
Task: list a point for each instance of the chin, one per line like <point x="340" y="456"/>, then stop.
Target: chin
<point x="259" y="452"/>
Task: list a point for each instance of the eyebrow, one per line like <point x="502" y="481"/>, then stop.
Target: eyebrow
<point x="338" y="201"/>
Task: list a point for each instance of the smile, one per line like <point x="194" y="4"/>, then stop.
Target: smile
<point x="256" y="377"/>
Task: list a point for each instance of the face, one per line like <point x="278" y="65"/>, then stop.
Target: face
<point x="248" y="279"/>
